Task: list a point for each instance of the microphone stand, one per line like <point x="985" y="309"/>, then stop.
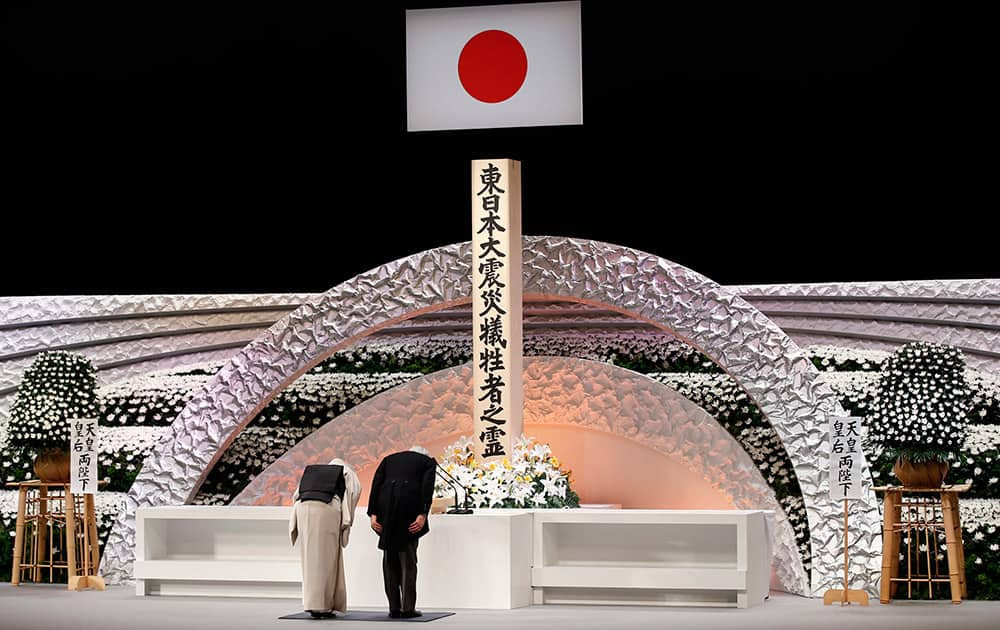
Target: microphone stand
<point x="455" y="485"/>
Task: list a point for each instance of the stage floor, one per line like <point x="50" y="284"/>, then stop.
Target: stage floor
<point x="43" y="606"/>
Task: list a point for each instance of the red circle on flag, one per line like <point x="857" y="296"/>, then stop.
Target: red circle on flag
<point x="492" y="66"/>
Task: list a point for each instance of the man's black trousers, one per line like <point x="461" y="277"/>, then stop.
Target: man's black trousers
<point x="399" y="571"/>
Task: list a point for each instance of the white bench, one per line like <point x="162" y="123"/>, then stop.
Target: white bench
<point x="475" y="561"/>
<point x="497" y="559"/>
<point x="215" y="550"/>
<point x="665" y="557"/>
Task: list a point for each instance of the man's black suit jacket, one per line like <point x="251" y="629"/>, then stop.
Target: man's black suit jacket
<point x="402" y="488"/>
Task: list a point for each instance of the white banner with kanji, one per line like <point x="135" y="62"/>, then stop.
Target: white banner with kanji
<point x="83" y="455"/>
<point x="845" y="458"/>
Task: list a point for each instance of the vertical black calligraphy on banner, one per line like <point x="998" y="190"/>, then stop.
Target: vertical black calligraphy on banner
<point x="845" y="458"/>
<point x="491" y="293"/>
<point x="83" y="455"/>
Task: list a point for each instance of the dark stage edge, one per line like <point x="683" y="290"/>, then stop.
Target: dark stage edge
<point x="363" y="615"/>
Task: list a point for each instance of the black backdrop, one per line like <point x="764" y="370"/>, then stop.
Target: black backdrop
<point x="262" y="148"/>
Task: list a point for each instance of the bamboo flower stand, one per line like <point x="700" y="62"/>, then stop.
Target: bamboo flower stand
<point x="921" y="514"/>
<point x="55" y="529"/>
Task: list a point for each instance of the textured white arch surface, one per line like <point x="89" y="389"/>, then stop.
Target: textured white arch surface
<point x="773" y="370"/>
<point x="557" y="390"/>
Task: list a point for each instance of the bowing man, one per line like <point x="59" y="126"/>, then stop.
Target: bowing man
<point x="400" y="500"/>
<point x="321" y="520"/>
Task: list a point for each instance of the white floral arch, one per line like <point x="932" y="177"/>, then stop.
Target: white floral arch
<point x="734" y="334"/>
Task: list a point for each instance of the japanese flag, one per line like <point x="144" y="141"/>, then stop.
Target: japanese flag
<point x="512" y="65"/>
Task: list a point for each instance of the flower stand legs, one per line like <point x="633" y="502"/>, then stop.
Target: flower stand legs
<point x="956" y="550"/>
<point x="55" y="530"/>
<point x="922" y="517"/>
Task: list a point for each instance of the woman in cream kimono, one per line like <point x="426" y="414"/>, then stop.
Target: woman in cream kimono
<point x="325" y="529"/>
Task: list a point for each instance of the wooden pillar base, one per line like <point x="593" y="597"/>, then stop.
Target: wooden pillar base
<point x="852" y="596"/>
<point x="78" y="582"/>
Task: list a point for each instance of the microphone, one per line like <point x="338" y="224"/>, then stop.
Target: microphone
<point x="455" y="485"/>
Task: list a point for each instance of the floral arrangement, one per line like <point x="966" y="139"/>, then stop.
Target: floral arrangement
<point x="530" y="478"/>
<point x="985" y="400"/>
<point x="856" y="390"/>
<point x="980" y="519"/>
<point x="835" y="358"/>
<point x="979" y="464"/>
<point x="311" y="400"/>
<point x="15" y="464"/>
<point x="56" y="387"/>
<point x="643" y="352"/>
<point x="921" y="405"/>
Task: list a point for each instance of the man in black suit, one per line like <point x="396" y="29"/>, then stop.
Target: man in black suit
<point x="400" y="500"/>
